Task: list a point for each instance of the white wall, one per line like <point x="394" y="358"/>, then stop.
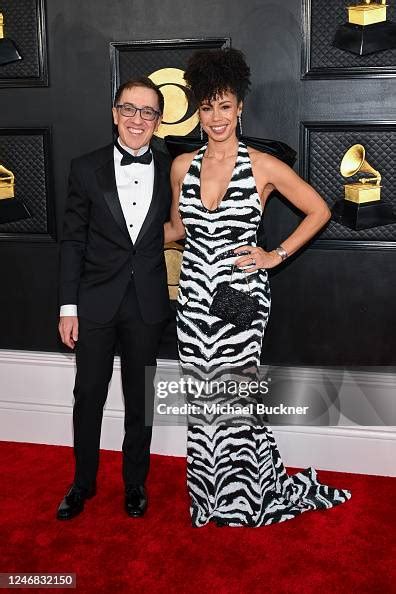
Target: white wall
<point x="36" y="406"/>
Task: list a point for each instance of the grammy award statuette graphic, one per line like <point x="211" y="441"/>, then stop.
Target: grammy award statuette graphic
<point x="361" y="207"/>
<point x="11" y="209"/>
<point x="367" y="30"/>
<point x="8" y="50"/>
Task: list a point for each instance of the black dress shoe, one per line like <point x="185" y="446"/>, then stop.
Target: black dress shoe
<point x="73" y="502"/>
<point x="135" y="501"/>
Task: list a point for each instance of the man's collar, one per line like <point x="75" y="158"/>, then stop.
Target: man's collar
<point x="141" y="151"/>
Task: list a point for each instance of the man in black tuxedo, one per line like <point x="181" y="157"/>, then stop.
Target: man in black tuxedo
<point x="113" y="288"/>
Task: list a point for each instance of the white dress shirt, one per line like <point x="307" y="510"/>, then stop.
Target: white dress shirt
<point x="135" y="184"/>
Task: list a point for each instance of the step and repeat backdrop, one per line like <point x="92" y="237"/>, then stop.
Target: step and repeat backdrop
<point x="323" y="82"/>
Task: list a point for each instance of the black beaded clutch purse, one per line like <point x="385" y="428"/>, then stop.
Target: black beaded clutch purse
<point x="233" y="306"/>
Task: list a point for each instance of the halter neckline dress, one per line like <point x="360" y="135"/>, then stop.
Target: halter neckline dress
<point x="235" y="474"/>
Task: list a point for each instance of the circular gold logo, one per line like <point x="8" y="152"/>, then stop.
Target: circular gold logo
<point x="180" y="111"/>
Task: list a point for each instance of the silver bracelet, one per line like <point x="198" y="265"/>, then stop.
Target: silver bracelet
<point x="281" y="252"/>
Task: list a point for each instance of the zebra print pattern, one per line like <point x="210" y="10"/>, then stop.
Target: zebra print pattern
<point x="235" y="474"/>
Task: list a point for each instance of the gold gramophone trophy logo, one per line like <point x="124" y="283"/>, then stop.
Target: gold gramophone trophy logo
<point x="8" y="50"/>
<point x="11" y="209"/>
<point x="7" y="183"/>
<point x="367" y="30"/>
<point x="362" y="206"/>
<point x="367" y="189"/>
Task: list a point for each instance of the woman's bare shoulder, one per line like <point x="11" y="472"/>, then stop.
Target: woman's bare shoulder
<point x="181" y="164"/>
<point x="260" y="157"/>
<point x="184" y="158"/>
<point x="264" y="160"/>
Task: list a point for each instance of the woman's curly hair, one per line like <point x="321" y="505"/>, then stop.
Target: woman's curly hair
<point x="213" y="72"/>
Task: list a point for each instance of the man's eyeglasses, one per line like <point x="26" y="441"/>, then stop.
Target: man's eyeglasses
<point x="146" y="113"/>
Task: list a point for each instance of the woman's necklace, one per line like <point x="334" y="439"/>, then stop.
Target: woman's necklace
<point x="232" y="156"/>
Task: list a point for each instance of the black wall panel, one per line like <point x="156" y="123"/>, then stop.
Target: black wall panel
<point x="330" y="306"/>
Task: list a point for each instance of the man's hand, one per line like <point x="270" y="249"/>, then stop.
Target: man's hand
<point x="68" y="330"/>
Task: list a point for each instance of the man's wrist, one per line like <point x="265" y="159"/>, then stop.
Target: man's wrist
<point x="68" y="310"/>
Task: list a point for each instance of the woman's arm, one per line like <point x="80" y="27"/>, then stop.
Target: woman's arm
<point x="303" y="196"/>
<point x="174" y="228"/>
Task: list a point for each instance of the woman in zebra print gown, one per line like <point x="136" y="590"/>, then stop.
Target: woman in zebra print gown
<point x="235" y="474"/>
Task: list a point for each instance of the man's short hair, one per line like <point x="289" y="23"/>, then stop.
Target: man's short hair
<point x="141" y="81"/>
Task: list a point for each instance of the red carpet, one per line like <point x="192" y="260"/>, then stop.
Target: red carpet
<point x="347" y="549"/>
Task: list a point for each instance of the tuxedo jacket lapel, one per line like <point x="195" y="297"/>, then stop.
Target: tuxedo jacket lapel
<point x="107" y="182"/>
<point x="155" y="200"/>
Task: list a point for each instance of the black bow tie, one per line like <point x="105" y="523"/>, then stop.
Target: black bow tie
<point x="128" y="159"/>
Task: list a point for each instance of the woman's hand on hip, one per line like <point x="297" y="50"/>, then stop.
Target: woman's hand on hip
<point x="254" y="258"/>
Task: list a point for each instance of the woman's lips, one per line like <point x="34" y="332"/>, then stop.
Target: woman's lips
<point x="218" y="129"/>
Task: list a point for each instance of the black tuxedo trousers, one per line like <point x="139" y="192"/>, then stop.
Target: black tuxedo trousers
<point x="138" y="344"/>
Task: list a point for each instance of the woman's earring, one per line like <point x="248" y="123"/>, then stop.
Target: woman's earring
<point x="240" y="124"/>
<point x="201" y="130"/>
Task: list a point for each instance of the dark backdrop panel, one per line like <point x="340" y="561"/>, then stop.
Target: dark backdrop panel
<point x="329" y="306"/>
<point x="26" y="152"/>
<point x="28" y="299"/>
<point x="24" y="24"/>
<point x="326" y="17"/>
<point x="322" y="152"/>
